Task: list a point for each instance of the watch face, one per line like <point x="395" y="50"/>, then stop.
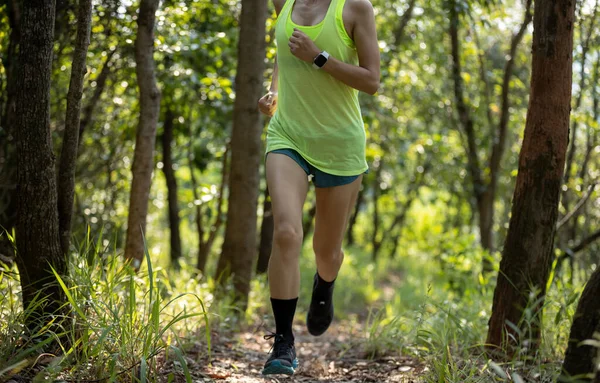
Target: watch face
<point x="320" y="60"/>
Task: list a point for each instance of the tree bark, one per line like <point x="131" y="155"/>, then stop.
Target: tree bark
<point x="143" y="162"/>
<point x="527" y="255"/>
<point x="266" y="236"/>
<point x="173" y="207"/>
<point x="68" y="156"/>
<point x="38" y="242"/>
<point x="239" y="247"/>
<point x="579" y="359"/>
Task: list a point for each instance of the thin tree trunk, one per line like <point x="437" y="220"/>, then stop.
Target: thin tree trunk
<point x="206" y="245"/>
<point x="38" y="240"/>
<point x="88" y="111"/>
<point x="569" y="254"/>
<point x="417" y="180"/>
<point x="579" y="358"/>
<point x="590" y="144"/>
<point x="359" y="202"/>
<point x="585" y="45"/>
<point x="68" y="156"/>
<point x="486" y="208"/>
<point x="375" y="242"/>
<point x="202" y="255"/>
<point x="171" y="180"/>
<point x="143" y="161"/>
<point x="10" y="66"/>
<point x="484" y="191"/>
<point x="239" y="247"/>
<point x="467" y="124"/>
<point x="8" y="160"/>
<point x="487" y="89"/>
<point x="399" y="32"/>
<point x="527" y="255"/>
<point x="266" y="236"/>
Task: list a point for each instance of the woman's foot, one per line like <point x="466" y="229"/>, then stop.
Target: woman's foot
<point x="320" y="312"/>
<point x="282" y="359"/>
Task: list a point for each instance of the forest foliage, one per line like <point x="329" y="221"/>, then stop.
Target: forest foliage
<point x="424" y="245"/>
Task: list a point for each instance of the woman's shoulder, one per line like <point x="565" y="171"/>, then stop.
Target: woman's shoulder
<point x="359" y="5"/>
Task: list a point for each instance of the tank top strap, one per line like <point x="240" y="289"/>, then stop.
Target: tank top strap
<point x="285" y="10"/>
<point x="339" y="22"/>
<point x="330" y="16"/>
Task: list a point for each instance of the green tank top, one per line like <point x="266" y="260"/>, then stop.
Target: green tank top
<point x="317" y="115"/>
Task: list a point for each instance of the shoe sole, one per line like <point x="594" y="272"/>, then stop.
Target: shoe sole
<point x="316" y="332"/>
<point x="275" y="367"/>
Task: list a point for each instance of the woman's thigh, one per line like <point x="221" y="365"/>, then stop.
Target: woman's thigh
<point x="334" y="206"/>
<point x="288" y="186"/>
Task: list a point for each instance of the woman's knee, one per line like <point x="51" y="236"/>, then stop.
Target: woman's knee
<point x="326" y="252"/>
<point x="287" y="236"/>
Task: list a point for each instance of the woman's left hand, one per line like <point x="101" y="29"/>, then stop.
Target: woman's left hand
<point x="303" y="47"/>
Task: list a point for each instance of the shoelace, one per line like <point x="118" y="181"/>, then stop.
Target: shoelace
<point x="279" y="339"/>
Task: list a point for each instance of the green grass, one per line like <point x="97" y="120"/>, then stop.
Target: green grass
<point x="430" y="301"/>
<point x="120" y="321"/>
<point x="439" y="313"/>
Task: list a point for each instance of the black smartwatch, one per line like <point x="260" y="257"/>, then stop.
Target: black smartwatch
<point x="320" y="60"/>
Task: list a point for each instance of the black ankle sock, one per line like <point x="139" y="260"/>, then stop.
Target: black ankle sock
<point x="284" y="310"/>
<point x="322" y="288"/>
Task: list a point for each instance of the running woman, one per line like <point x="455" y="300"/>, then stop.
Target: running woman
<point x="327" y="51"/>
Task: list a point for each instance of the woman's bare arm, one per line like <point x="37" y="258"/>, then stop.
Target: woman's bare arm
<point x="365" y="76"/>
<point x="268" y="103"/>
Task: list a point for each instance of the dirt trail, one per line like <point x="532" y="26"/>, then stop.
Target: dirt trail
<point x="333" y="357"/>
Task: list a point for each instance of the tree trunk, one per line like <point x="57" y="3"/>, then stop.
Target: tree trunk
<point x="350" y="231"/>
<point x="415" y="184"/>
<point x="486" y="203"/>
<point x="202" y="256"/>
<point x="484" y="191"/>
<point x="585" y="39"/>
<point x="375" y="242"/>
<point x="205" y="245"/>
<point x="38" y="242"/>
<point x="239" y="247"/>
<point x="167" y="139"/>
<point x="266" y="236"/>
<point x="143" y="162"/>
<point x="527" y="255"/>
<point x="68" y="156"/>
<point x="466" y="121"/>
<point x="579" y="359"/>
<point x="88" y="111"/>
<point x="399" y="32"/>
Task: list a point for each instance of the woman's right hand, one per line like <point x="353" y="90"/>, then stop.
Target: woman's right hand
<point x="268" y="104"/>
